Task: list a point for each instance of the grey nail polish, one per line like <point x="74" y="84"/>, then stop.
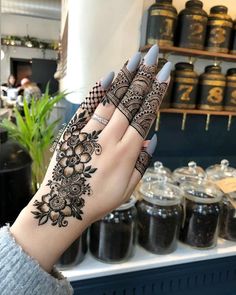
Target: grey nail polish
<point x="151" y="57"/>
<point x="164" y="73"/>
<point x="134" y="62"/>
<point x="152" y="145"/>
<point x="107" y="80"/>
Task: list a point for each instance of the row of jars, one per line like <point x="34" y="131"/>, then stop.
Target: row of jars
<point x="192" y="27"/>
<point x="212" y="90"/>
<point x="184" y="205"/>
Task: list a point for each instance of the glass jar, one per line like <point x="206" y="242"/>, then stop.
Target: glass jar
<point x="211" y="89"/>
<point x="112" y="239"/>
<point x="192" y="22"/>
<point x="228" y="217"/>
<point x="161" y="24"/>
<point x="230" y="91"/>
<point x="75" y="254"/>
<point x="220" y="171"/>
<point x="233" y="45"/>
<point x="202" y="209"/>
<point x="159" y="216"/>
<point x="189" y="173"/>
<point x="184" y="88"/>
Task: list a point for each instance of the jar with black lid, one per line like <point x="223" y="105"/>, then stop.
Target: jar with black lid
<point x="202" y="210"/>
<point x="219" y="29"/>
<point x="211" y="89"/>
<point x="161" y="24"/>
<point x="233" y="44"/>
<point x="159" y="216"/>
<point x="75" y="254"/>
<point x="191" y="28"/>
<point x="113" y="238"/>
<point x="230" y="91"/>
<point x="184" y="88"/>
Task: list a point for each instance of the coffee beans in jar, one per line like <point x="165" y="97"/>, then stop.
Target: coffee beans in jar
<point x="113" y="238"/>
<point x="159" y="216"/>
<point x="201" y="218"/>
<point x="191" y="28"/>
<point x="230" y="91"/>
<point x="161" y="24"/>
<point x="219" y="28"/>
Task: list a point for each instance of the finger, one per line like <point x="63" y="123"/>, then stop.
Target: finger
<point x="133" y="98"/>
<point x="114" y="95"/>
<point x="141" y="165"/>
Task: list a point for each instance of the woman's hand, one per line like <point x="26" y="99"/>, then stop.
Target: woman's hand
<point x="100" y="157"/>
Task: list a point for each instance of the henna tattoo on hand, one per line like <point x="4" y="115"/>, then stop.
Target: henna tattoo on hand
<point x="70" y="176"/>
<point x="143" y="120"/>
<point x="119" y="87"/>
<point x="143" y="162"/>
<point x="140" y="86"/>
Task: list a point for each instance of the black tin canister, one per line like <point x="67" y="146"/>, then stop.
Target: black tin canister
<point x="162" y="17"/>
<point x="233" y="46"/>
<point x="192" y="23"/>
<point x="211" y="89"/>
<point x="230" y="91"/>
<point x="219" y="28"/>
<point x="184" y="86"/>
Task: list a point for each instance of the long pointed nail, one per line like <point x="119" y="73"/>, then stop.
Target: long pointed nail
<point x="164" y="73"/>
<point x="151" y="57"/>
<point x="106" y="82"/>
<point x="134" y="62"/>
<point x="152" y="145"/>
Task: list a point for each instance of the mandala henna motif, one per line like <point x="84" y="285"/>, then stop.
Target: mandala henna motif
<point x="143" y="120"/>
<point x="70" y="176"/>
<point x="140" y="86"/>
<point x="143" y="162"/>
<point x="119" y="87"/>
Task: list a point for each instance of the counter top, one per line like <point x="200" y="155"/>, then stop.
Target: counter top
<point x="143" y="260"/>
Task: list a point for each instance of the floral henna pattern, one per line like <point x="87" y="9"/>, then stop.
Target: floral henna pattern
<point x="70" y="176"/>
<point x="143" y="162"/>
<point x="145" y="117"/>
<point x="140" y="86"/>
<point x="119" y="87"/>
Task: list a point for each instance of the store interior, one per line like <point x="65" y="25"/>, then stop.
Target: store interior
<point x="177" y="233"/>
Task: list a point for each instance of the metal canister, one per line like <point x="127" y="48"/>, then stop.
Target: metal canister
<point x="211" y="89"/>
<point x="162" y="17"/>
<point x="230" y="91"/>
<point x="192" y="23"/>
<point x="184" y="91"/>
<point x="219" y="28"/>
<point x="233" y="44"/>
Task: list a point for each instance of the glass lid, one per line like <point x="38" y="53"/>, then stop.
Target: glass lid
<point x="130" y="203"/>
<point x="161" y="192"/>
<point x="220" y="171"/>
<point x="157" y="170"/>
<point x="201" y="191"/>
<point x="191" y="172"/>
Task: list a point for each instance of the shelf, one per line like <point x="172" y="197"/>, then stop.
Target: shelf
<point x="143" y="260"/>
<point x="197" y="112"/>
<point x="194" y="53"/>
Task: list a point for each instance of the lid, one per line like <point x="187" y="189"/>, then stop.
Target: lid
<point x="191" y="172"/>
<point x="201" y="191"/>
<point x="219" y="9"/>
<point x="164" y="1"/>
<point x="220" y="171"/>
<point x="231" y="71"/>
<point x="160" y="192"/>
<point x="213" y="69"/>
<point x="130" y="203"/>
<point x="183" y="66"/>
<point x="194" y="3"/>
<point x="3" y="135"/>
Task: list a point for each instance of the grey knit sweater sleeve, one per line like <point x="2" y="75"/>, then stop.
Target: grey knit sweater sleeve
<point x="20" y="274"/>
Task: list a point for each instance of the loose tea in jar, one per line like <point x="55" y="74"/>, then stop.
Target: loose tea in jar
<point x="112" y="239"/>
<point x="202" y="209"/>
<point x="159" y="216"/>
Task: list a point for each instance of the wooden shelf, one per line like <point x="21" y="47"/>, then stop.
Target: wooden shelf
<point x="197" y="112"/>
<point x="194" y="53"/>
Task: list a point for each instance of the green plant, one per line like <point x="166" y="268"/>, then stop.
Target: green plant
<point x="34" y="133"/>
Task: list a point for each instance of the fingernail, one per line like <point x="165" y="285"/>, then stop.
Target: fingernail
<point x="134" y="62"/>
<point x="151" y="57"/>
<point x="164" y="73"/>
<point x="106" y="82"/>
<point x="152" y="145"/>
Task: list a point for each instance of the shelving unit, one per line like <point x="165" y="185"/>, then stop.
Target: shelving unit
<point x="197" y="112"/>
